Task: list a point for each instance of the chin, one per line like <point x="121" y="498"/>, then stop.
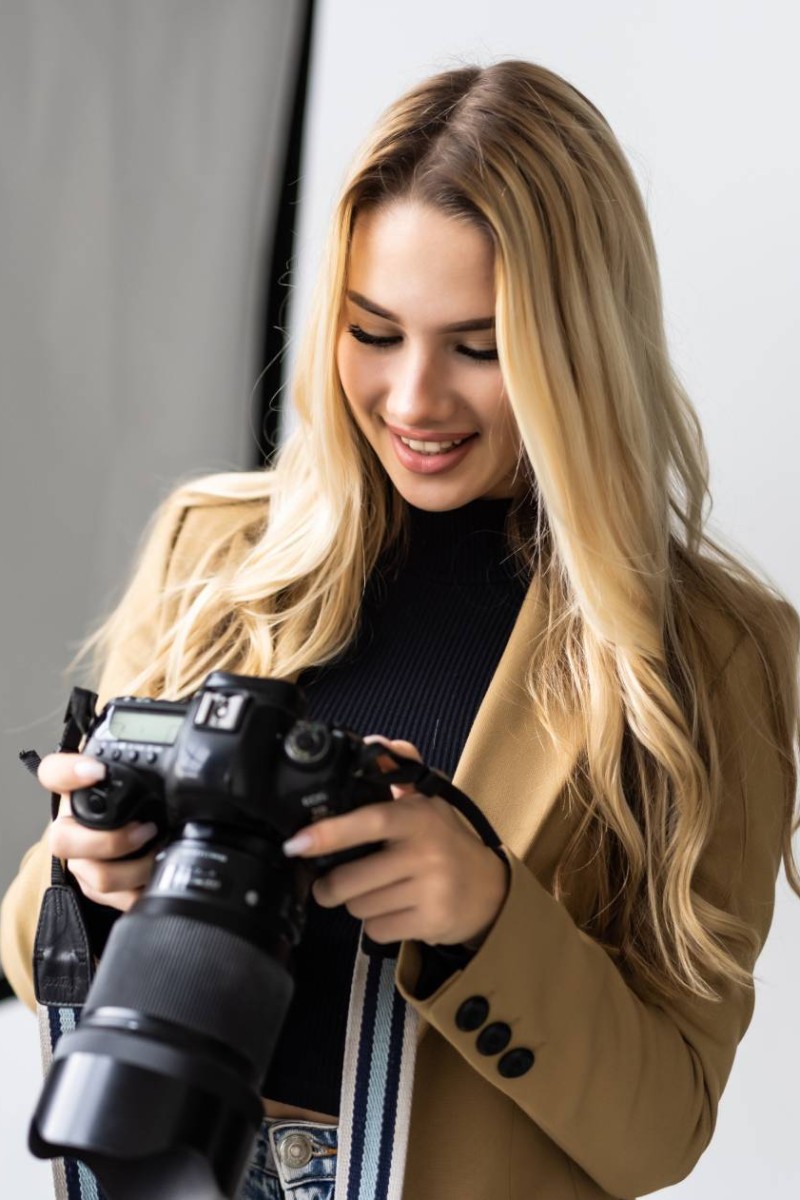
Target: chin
<point x="437" y="496"/>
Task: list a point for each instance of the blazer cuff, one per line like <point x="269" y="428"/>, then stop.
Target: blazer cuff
<point x="437" y="964"/>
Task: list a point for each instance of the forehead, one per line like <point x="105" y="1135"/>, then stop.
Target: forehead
<point x="408" y="256"/>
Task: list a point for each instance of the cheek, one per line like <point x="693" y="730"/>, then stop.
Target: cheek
<point x="505" y="439"/>
<point x="488" y="398"/>
<point x="357" y="379"/>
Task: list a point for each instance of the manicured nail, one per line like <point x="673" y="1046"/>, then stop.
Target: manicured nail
<point x="89" y="769"/>
<point x="297" y="844"/>
<point x="142" y="833"/>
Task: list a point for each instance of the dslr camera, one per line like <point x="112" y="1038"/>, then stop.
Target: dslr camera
<point x="158" y="1089"/>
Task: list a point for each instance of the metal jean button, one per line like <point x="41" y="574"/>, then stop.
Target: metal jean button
<point x="295" y="1150"/>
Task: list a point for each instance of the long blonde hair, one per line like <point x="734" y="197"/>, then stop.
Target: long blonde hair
<point x="613" y="520"/>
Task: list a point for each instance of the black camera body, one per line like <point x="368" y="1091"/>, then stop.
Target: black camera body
<point x="158" y="1089"/>
<point x="238" y="753"/>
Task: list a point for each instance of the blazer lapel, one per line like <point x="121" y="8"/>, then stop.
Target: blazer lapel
<point x="510" y="765"/>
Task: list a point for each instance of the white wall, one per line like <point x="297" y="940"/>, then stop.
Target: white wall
<point x="703" y="98"/>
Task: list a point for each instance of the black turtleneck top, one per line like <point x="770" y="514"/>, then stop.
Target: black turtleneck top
<point x="433" y="627"/>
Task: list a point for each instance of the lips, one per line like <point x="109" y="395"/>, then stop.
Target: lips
<point x="431" y="464"/>
<point x="430" y="435"/>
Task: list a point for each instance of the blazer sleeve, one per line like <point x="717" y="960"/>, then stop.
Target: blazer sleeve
<point x="628" y="1089"/>
<point x="139" y="615"/>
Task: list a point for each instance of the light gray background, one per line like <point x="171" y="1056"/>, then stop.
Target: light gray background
<point x="702" y="98"/>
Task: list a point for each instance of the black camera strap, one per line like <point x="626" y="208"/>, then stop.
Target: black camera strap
<point x="80" y="713"/>
<point x="62" y="962"/>
<point x="430" y="782"/>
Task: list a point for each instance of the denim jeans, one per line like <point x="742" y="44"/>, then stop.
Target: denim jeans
<point x="292" y="1160"/>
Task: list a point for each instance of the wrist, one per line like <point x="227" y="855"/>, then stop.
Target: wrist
<point x="476" y="941"/>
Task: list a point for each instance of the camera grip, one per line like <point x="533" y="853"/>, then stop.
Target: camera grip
<point x="112" y="802"/>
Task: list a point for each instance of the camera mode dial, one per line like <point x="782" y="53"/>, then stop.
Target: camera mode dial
<point x="307" y="743"/>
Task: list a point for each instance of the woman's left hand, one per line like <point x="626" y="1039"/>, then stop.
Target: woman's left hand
<point x="434" y="881"/>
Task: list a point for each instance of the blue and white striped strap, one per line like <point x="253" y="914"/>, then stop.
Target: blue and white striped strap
<point x="72" y="1180"/>
<point x="377" y="1084"/>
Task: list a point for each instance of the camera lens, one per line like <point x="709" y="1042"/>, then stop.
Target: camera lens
<point x="307" y="743"/>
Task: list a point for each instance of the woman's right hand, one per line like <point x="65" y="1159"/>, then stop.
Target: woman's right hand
<point x="92" y="854"/>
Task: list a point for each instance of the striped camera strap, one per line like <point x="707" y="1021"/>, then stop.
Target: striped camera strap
<point x="377" y="1080"/>
<point x="72" y="1180"/>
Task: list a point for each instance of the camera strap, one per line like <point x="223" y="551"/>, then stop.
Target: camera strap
<point x="62" y="965"/>
<point x="62" y="959"/>
<point x="429" y="782"/>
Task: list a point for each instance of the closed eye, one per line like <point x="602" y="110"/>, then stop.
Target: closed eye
<point x="479" y="355"/>
<point x="368" y="339"/>
<point x="383" y="343"/>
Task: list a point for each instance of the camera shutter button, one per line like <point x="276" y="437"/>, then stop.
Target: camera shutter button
<point x="295" y="1150"/>
<point x="97" y="803"/>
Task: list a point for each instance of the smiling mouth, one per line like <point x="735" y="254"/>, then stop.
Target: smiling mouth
<point x="430" y="447"/>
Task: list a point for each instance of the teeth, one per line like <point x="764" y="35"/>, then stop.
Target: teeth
<point x="430" y="447"/>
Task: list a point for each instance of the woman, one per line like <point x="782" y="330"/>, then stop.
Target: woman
<point x="485" y="540"/>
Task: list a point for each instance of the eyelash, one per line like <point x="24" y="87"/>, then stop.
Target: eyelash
<point x="385" y="343"/>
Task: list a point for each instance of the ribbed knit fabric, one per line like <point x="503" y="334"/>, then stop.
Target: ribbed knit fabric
<point x="433" y="628"/>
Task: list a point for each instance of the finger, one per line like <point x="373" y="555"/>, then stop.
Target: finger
<point x="386" y="902"/>
<point x="405" y="749"/>
<point x="69" y="840"/>
<point x="397" y="927"/>
<point x="380" y="870"/>
<point x="372" y="823"/>
<point x="105" y="878"/>
<point x="68" y="772"/>
<point x="123" y="901"/>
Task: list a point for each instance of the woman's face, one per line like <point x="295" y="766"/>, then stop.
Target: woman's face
<point x="417" y="356"/>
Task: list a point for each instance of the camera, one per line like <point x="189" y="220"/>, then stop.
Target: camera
<point x="157" y="1090"/>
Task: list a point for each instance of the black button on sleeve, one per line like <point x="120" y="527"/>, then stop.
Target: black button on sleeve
<point x="516" y="1062"/>
<point x="493" y="1038"/>
<point x="472" y="1013"/>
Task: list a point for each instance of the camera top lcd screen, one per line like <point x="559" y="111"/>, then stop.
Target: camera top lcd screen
<point x="131" y="725"/>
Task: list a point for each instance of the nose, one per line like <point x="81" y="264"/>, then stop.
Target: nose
<point x="419" y="393"/>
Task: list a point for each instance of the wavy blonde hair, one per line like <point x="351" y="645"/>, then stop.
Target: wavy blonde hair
<point x="613" y="518"/>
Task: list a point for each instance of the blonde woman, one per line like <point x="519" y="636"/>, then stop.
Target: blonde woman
<point x="485" y="542"/>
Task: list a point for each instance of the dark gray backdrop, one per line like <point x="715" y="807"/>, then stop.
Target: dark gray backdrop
<point x="142" y="151"/>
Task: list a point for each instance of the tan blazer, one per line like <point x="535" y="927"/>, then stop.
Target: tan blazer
<point x="621" y="1097"/>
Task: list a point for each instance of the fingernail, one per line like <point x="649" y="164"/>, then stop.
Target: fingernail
<point x="143" y="833"/>
<point x="89" y="769"/>
<point x="297" y="844"/>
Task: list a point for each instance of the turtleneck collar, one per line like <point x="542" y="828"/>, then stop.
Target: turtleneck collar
<point x="464" y="545"/>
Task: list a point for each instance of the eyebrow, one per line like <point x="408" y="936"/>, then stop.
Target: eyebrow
<point x="458" y="327"/>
